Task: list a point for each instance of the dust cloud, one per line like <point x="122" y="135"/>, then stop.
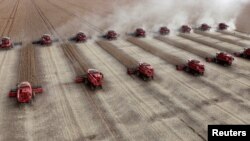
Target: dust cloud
<point x="127" y="15"/>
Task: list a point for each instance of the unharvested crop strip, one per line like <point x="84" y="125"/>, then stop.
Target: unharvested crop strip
<point x="234" y="33"/>
<point x="215" y="36"/>
<point x="172" y="59"/>
<point x="120" y="55"/>
<point x="186" y="47"/>
<point x="27" y="66"/>
<point x="213" y="45"/>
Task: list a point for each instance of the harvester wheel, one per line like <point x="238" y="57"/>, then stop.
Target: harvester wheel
<point x="19" y="104"/>
<point x="33" y="95"/>
<point x="207" y="59"/>
<point x="187" y="69"/>
<point x="177" y="67"/>
<point x="31" y="102"/>
<point x="92" y="87"/>
<point x="137" y="73"/>
<point x="216" y="60"/>
<point x="196" y="73"/>
<point x="86" y="81"/>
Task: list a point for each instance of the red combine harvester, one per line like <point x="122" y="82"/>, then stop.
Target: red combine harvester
<point x="144" y="70"/>
<point x="205" y="27"/>
<point x="111" y="35"/>
<point x="24" y="92"/>
<point x="45" y="40"/>
<point x="93" y="78"/>
<point x="222" y="26"/>
<point x="185" y="29"/>
<point x="193" y="66"/>
<point x="139" y="32"/>
<point x="245" y="53"/>
<point x="222" y="58"/>
<point x="164" y="30"/>
<point x="79" y="37"/>
<point x="6" y="43"/>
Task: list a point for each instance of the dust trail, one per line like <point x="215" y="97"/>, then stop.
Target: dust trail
<point x="150" y="14"/>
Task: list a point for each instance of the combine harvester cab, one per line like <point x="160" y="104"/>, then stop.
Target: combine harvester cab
<point x="139" y="32"/>
<point x="244" y="54"/>
<point x="93" y="78"/>
<point x="193" y="66"/>
<point x="205" y="27"/>
<point x="164" y="30"/>
<point x="111" y="35"/>
<point x="222" y="26"/>
<point x="46" y="40"/>
<point x="25" y="93"/>
<point x="185" y="29"/>
<point x="6" y="43"/>
<point x="222" y="58"/>
<point x="144" y="70"/>
<point x="80" y="37"/>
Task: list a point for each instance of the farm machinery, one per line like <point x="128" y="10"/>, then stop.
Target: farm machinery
<point x="46" y="40"/>
<point x="205" y="27"/>
<point x="222" y="26"/>
<point x="193" y="66"/>
<point x="93" y="78"/>
<point x="24" y="92"/>
<point x="6" y="43"/>
<point x="139" y="32"/>
<point x="79" y="37"/>
<point x="164" y="30"/>
<point x="185" y="29"/>
<point x="244" y="54"/>
<point x="222" y="58"/>
<point x="111" y="35"/>
<point x="144" y="70"/>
